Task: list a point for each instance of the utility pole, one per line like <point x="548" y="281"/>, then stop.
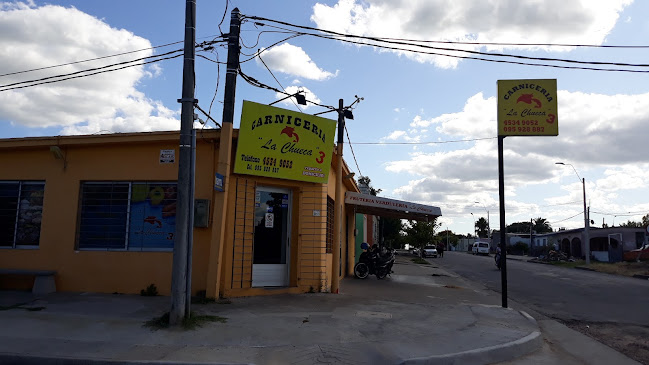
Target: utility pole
<point x="335" y="270"/>
<point x="225" y="155"/>
<point x="586" y="222"/>
<point x="183" y="204"/>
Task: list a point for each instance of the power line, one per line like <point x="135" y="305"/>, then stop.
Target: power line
<point x="388" y="40"/>
<point x="420" y="143"/>
<point x="98" y="58"/>
<point x="94" y="73"/>
<point x="444" y="42"/>
<point x="88" y="72"/>
<point x="352" y="149"/>
<point x="565" y="219"/>
<point x="279" y="83"/>
<point x="487" y="59"/>
<point x="7" y="86"/>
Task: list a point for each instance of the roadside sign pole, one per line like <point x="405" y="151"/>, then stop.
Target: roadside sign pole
<point x="503" y="227"/>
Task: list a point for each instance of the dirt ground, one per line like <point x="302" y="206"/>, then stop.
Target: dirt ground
<point x="631" y="340"/>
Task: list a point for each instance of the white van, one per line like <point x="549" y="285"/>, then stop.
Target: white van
<point x="480" y="248"/>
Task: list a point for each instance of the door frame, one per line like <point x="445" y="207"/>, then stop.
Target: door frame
<point x="265" y="269"/>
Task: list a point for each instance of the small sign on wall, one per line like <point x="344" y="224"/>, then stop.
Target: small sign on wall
<point x="167" y="156"/>
<point x="219" y="184"/>
<point x="270" y="220"/>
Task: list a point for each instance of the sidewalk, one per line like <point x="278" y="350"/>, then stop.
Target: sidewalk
<point x="422" y="314"/>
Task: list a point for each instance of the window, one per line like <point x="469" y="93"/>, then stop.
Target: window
<point x="21" y="211"/>
<point x="127" y="216"/>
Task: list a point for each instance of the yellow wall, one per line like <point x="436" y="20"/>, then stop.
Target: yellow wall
<point x="135" y="157"/>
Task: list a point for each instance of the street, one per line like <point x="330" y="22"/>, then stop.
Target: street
<point x="603" y="306"/>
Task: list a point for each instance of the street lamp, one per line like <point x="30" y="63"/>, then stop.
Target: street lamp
<point x="586" y="219"/>
<point x="475" y="230"/>
<point x="488" y="226"/>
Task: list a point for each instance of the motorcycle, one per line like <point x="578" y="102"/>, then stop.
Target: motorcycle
<point x="374" y="262"/>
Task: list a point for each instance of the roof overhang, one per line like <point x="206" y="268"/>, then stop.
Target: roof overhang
<point x="391" y="208"/>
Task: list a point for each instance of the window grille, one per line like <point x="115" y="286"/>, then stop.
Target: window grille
<point x="21" y="212"/>
<point x="127" y="215"/>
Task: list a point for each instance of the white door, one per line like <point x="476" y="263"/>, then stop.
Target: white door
<point x="271" y="238"/>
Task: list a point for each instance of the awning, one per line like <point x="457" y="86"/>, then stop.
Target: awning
<point x="391" y="208"/>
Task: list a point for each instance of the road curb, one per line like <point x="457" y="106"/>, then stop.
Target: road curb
<point x="486" y="355"/>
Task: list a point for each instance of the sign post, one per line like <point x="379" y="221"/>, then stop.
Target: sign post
<point x="525" y="108"/>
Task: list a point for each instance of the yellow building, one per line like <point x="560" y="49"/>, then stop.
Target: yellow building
<point x="99" y="210"/>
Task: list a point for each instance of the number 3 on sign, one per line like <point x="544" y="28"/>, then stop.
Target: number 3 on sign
<point x="321" y="159"/>
<point x="551" y="118"/>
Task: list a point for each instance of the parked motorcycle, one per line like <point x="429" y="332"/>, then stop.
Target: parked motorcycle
<point x="374" y="262"/>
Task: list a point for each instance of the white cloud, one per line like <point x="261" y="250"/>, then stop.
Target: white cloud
<point x="310" y="96"/>
<point x="292" y="60"/>
<point x="59" y="35"/>
<point x="510" y="21"/>
<point x="586" y="124"/>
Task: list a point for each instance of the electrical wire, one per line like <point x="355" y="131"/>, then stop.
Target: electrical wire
<point x="565" y="219"/>
<point x="96" y="58"/>
<point x="227" y="2"/>
<point x="391" y="41"/>
<point x="218" y="78"/>
<point x="352" y="149"/>
<point x="444" y="42"/>
<point x="279" y="83"/>
<point x="419" y="143"/>
<point x="90" y="69"/>
<point x="90" y="74"/>
<point x="269" y="47"/>
<point x="485" y="59"/>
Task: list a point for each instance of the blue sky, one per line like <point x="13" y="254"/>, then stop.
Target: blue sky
<point x="408" y="98"/>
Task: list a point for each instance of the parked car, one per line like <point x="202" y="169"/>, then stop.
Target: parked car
<point x="429" y="251"/>
<point x="480" y="248"/>
<point x="632" y="255"/>
<point x="415" y="251"/>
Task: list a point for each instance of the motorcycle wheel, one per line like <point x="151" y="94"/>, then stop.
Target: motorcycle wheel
<point x="382" y="273"/>
<point x="361" y="270"/>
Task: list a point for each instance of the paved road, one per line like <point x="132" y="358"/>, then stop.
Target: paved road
<point x="562" y="293"/>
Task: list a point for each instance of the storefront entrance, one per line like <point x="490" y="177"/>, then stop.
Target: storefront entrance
<point x="271" y="238"/>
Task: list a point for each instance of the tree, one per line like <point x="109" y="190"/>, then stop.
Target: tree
<point x="392" y="232"/>
<point x="519" y="227"/>
<point x="541" y="225"/>
<point x="645" y="220"/>
<point x="632" y="224"/>
<point x="445" y="235"/>
<point x="365" y="180"/>
<point x="420" y="234"/>
<point x="483" y="227"/>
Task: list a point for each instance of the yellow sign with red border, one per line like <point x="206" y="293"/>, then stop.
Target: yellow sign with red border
<point x="280" y="143"/>
<point x="528" y="108"/>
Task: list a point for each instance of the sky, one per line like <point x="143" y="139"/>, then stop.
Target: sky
<point x="425" y="130"/>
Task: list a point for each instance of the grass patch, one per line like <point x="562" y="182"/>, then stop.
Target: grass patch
<point x="194" y="321"/>
<point x="567" y="263"/>
<point x="621" y="268"/>
<point x="202" y="298"/>
<point x="615" y="268"/>
<point x="419" y="260"/>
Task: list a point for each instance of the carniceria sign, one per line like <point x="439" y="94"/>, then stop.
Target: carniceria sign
<point x="527" y="108"/>
<point x="275" y="142"/>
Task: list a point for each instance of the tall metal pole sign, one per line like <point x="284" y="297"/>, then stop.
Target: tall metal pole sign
<point x="525" y="108"/>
